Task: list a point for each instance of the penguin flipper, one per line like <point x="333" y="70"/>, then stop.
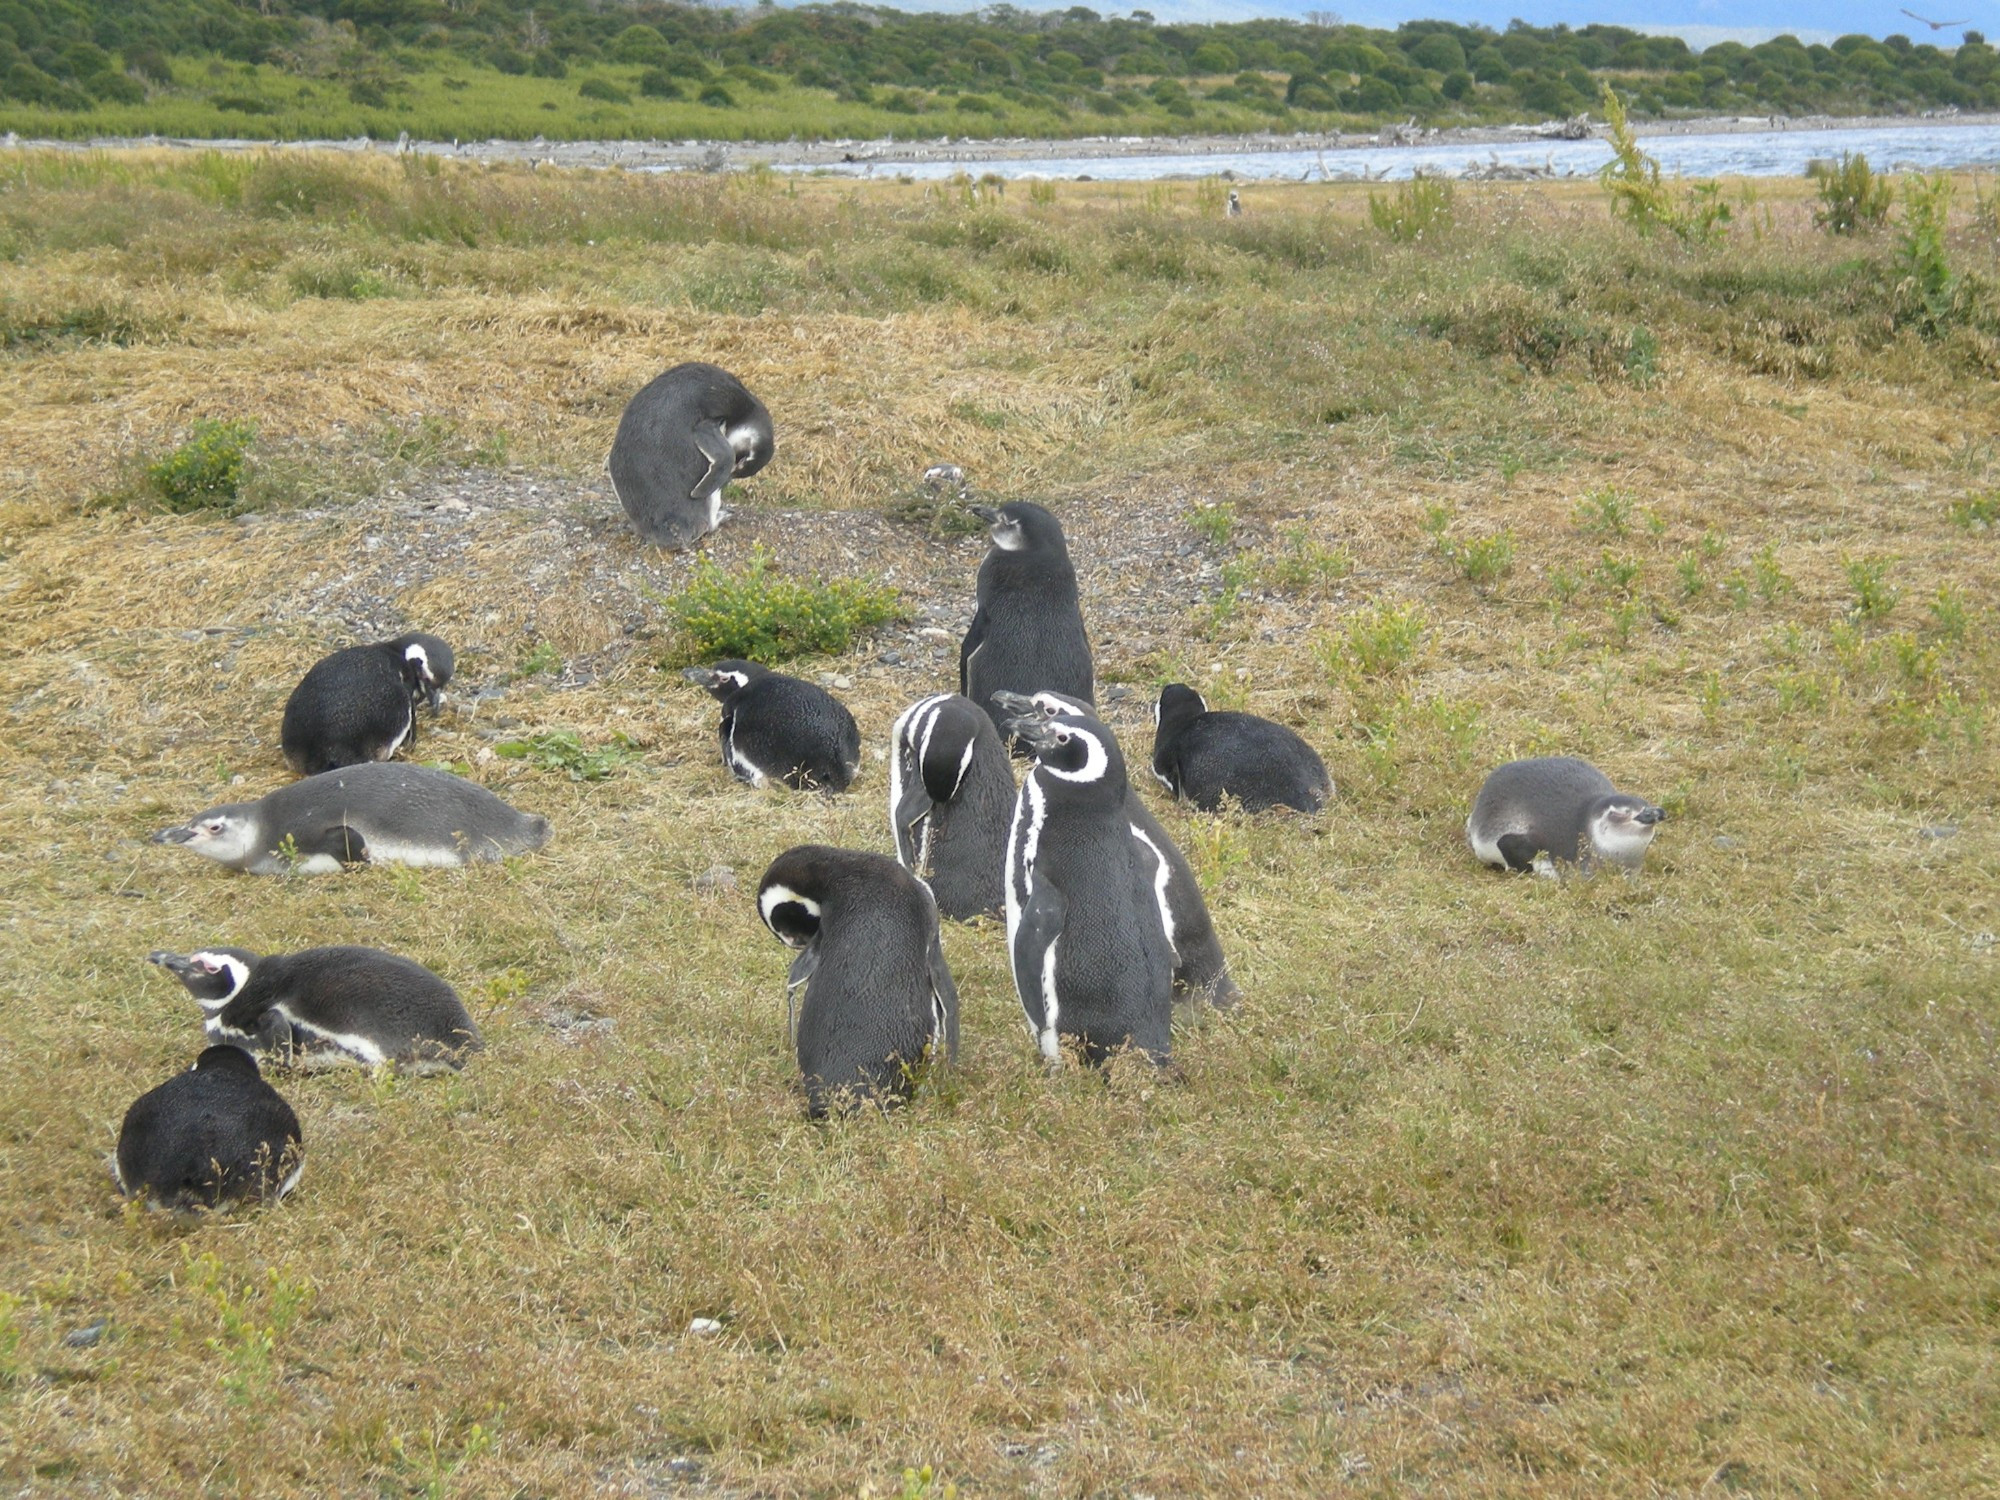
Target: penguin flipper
<point x="944" y="1002"/>
<point x="914" y="806"/>
<point x="1518" y="850"/>
<point x="339" y="842"/>
<point x="714" y="445"/>
<point x="796" y="980"/>
<point x="975" y="637"/>
<point x="1043" y="914"/>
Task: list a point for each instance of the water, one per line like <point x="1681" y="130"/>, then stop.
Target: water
<point x="1758" y="153"/>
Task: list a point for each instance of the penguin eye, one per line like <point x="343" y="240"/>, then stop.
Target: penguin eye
<point x="213" y="825"/>
<point x="208" y="966"/>
<point x="1062" y="737"/>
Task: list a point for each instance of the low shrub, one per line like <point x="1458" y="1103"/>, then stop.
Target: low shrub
<point x="207" y="471"/>
<point x="1851" y="197"/>
<point x="759" y="615"/>
<point x="1418" y="209"/>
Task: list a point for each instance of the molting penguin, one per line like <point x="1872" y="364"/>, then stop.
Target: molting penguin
<point x="375" y="813"/>
<point x="328" y="1005"/>
<point x="878" y="993"/>
<point x="1534" y="814"/>
<point x="683" y="438"/>
<point x="1202" y="757"/>
<point x="1089" y="951"/>
<point x="781" y="728"/>
<point x="210" y="1136"/>
<point x="361" y="704"/>
<point x="951" y="797"/>
<point x="1027" y="631"/>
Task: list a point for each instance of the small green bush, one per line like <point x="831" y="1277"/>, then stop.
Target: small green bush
<point x="758" y="615"/>
<point x="657" y="83"/>
<point x="207" y="471"/>
<point x="1851" y="197"/>
<point x="1419" y="209"/>
<point x="1696" y="214"/>
<point x="561" y="750"/>
<point x="1375" y="642"/>
<point x="1213" y="522"/>
<point x="604" y="89"/>
<point x="1977" y="512"/>
<point x="1927" y="288"/>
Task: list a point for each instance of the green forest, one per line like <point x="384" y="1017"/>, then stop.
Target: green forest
<point x="280" y="69"/>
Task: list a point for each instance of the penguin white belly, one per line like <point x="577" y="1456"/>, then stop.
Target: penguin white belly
<point x="316" y="864"/>
<point x="1162" y="873"/>
<point x="292" y="1177"/>
<point x="740" y="763"/>
<point x="356" y="1048"/>
<point x="1049" y="1041"/>
<point x="393" y="851"/>
<point x="1486" y="844"/>
<point x="401" y="735"/>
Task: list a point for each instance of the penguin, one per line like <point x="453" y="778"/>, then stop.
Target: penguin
<point x="328" y="1005"/>
<point x="878" y="994"/>
<point x="361" y="704"/>
<point x="1233" y="209"/>
<point x="1027" y="629"/>
<point x="1201" y="972"/>
<point x="681" y="440"/>
<point x="379" y="812"/>
<point x="951" y="797"/>
<point x="1201" y="757"/>
<point x="1538" y="814"/>
<point x="781" y="728"/>
<point x="1089" y="951"/>
<point x="211" y="1136"/>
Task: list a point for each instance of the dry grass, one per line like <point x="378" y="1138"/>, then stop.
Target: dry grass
<point x="1492" y="1187"/>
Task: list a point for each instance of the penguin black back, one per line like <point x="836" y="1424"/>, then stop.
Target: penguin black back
<point x="951" y="797"/>
<point x="215" y="1134"/>
<point x="1027" y="629"/>
<point x="1204" y="756"/>
<point x="779" y="728"/>
<point x="681" y="440"/>
<point x="877" y="991"/>
<point x="359" y="704"/>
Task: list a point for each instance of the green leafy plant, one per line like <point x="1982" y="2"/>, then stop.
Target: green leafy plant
<point x="1852" y="199"/>
<point x="537" y="659"/>
<point x="759" y="615"/>
<point x="1301" y="565"/>
<point x="207" y="471"/>
<point x="1772" y="581"/>
<point x="1607" y="511"/>
<point x="1375" y="641"/>
<point x="1214" y="522"/>
<point x="10" y="1339"/>
<point x="1619" y="574"/>
<point x="1695" y="214"/>
<point x="1420" y="208"/>
<point x="1948" y="612"/>
<point x="1927" y="288"/>
<point x="252" y="1319"/>
<point x="1485" y="560"/>
<point x="1976" y="512"/>
<point x="1874" y="595"/>
<point x="561" y="750"/>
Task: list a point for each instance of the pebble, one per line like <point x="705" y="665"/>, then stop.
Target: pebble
<point x="704" y="1327"/>
<point x="716" y="878"/>
<point x="86" y="1337"/>
<point x="1939" y="831"/>
<point x="1724" y="841"/>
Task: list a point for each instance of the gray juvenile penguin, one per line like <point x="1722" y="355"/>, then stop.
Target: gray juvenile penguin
<point x="328" y="1005"/>
<point x="1027" y="629"/>
<point x="779" y="728"/>
<point x="213" y="1135"/>
<point x="1201" y="973"/>
<point x="682" y="438"/>
<point x="379" y="812"/>
<point x="1202" y="756"/>
<point x="361" y="704"/>
<point x="1536" y="814"/>
<point x="878" y="993"/>
<point x="1089" y="951"/>
<point x="951" y="797"/>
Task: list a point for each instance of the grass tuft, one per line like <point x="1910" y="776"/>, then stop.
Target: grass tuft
<point x="757" y="614"/>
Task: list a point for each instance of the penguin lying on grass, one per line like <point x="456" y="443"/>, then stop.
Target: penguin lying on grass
<point x="1555" y="810"/>
<point x="214" y="1135"/>
<point x="681" y="440"/>
<point x="951" y="797"/>
<point x="360" y="704"/>
<point x="779" y="728"/>
<point x="1203" y="756"/>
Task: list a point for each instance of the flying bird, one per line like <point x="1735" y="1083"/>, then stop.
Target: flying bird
<point x="1934" y="25"/>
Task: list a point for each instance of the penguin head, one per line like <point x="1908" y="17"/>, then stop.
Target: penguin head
<point x="227" y="833"/>
<point x="214" y="976"/>
<point x="1046" y="704"/>
<point x="1022" y="526"/>
<point x="1177" y="704"/>
<point x="726" y="678"/>
<point x="426" y="663"/>
<point x="224" y="1059"/>
<point x="1072" y="749"/>
<point x="790" y="895"/>
<point x="753" y="446"/>
<point x="1621" y="828"/>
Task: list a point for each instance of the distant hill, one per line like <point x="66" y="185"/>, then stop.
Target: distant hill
<point x="568" y="68"/>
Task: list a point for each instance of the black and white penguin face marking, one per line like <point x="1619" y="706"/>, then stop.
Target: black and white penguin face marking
<point x="213" y="976"/>
<point x="227" y="834"/>
<point x="1066" y="748"/>
<point x="752" y="446"/>
<point x="1622" y="830"/>
<point x="721" y="680"/>
<point x="419" y="662"/>
<point x="792" y="917"/>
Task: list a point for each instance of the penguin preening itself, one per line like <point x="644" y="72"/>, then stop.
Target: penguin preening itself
<point x="379" y="812"/>
<point x="779" y="728"/>
<point x="1202" y="756"/>
<point x="1201" y="973"/>
<point x="1536" y="814"/>
<point x="361" y="704"/>
<point x="1027" y="629"/>
<point x="951" y="797"/>
<point x="1089" y="950"/>
<point x="682" y="438"/>
<point x="213" y="1135"/>
<point x="328" y="1005"/>
<point x="878" y="993"/>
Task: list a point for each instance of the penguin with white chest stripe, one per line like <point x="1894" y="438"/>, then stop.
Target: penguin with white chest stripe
<point x="1201" y="973"/>
<point x="879" y="996"/>
<point x="1202" y="756"/>
<point x="1027" y="629"/>
<point x="379" y="812"/>
<point x="361" y="704"/>
<point x="328" y="1005"/>
<point x="1089" y="951"/>
<point x="1553" y="810"/>
<point x="213" y="1135"/>
<point x="951" y="797"/>
<point x="780" y="728"/>
<point x="681" y="440"/>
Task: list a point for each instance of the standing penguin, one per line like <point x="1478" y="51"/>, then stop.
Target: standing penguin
<point x="1027" y="631"/>
<point x="781" y="728"/>
<point x="682" y="438"/>
<point x="878" y="993"/>
<point x="1536" y="814"/>
<point x="361" y="704"/>
<point x="1089" y="951"/>
<point x="1201" y="973"/>
<point x="213" y="1135"/>
<point x="1202" y="757"/>
<point x="328" y="1005"/>
<point x="951" y="797"/>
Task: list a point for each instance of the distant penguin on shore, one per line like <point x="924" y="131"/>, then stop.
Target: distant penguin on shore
<point x="1557" y="810"/>
<point x="361" y="704"/>
<point x="681" y="440"/>
<point x="1027" y="629"/>
<point x="951" y="797"/>
<point x="211" y="1136"/>
<point x="779" y="728"/>
<point x="1203" y="756"/>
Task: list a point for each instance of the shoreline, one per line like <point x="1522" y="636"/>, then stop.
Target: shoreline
<point x="719" y="156"/>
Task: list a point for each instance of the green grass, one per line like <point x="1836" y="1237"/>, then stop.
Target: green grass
<point x="1491" y="1186"/>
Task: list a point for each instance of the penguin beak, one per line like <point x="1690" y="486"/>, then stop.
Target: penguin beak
<point x="1032" y="730"/>
<point x="1016" y="703"/>
<point x="435" y="694"/>
<point x="1653" y="815"/>
<point x="700" y="676"/>
<point x="173" y="963"/>
<point x="178" y="835"/>
<point x="985" y="513"/>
